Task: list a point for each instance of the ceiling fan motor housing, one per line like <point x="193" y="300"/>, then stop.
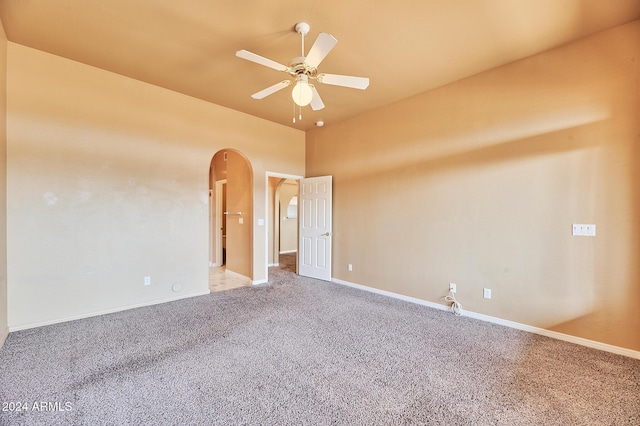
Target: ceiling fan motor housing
<point x="297" y="67"/>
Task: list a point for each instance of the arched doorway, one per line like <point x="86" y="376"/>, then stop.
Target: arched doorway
<point x="231" y="218"/>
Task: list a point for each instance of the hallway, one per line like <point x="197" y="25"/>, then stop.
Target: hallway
<point x="221" y="280"/>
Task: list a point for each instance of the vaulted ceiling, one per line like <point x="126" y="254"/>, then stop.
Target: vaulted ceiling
<point x="405" y="47"/>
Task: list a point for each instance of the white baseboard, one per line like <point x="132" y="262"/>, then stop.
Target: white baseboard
<point x="288" y="251"/>
<point x="104" y="312"/>
<point x="512" y="324"/>
<point x="262" y="281"/>
<point x="3" y="336"/>
<point x="273" y="264"/>
<point x="391" y="294"/>
<point x="557" y="335"/>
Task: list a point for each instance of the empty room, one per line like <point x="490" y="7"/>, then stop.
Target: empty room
<point x="319" y="212"/>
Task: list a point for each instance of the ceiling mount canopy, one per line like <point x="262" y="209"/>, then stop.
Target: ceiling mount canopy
<point x="304" y="68"/>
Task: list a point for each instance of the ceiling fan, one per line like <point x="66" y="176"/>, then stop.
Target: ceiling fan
<point x="304" y="68"/>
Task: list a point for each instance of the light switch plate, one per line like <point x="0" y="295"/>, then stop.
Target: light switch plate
<point x="584" y="230"/>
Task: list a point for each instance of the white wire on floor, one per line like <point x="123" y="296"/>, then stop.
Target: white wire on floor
<point x="456" y="307"/>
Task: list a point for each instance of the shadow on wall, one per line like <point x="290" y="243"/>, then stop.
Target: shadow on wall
<point x="616" y="315"/>
<point x="552" y="176"/>
<point x="505" y="141"/>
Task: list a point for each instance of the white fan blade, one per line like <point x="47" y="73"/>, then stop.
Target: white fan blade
<point x="316" y="101"/>
<point x="344" y="80"/>
<point x="321" y="48"/>
<point x="244" y="54"/>
<point x="271" y="89"/>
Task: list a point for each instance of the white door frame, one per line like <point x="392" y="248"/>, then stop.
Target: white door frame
<point x="212" y="231"/>
<point x="219" y="216"/>
<point x="266" y="209"/>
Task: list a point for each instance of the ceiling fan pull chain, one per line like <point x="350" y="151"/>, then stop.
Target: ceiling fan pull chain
<point x="294" y="113"/>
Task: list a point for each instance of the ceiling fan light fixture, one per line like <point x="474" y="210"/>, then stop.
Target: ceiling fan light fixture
<point x="302" y="92"/>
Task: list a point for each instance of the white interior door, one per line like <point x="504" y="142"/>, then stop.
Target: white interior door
<point x="314" y="257"/>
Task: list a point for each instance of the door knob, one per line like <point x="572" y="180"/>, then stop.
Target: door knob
<point x="326" y="234"/>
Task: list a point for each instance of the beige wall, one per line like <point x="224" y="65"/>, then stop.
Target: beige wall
<point x="4" y="330"/>
<point x="108" y="181"/>
<point x="479" y="182"/>
<point x="239" y="229"/>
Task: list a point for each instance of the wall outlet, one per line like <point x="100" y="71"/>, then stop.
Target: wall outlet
<point x="350" y="267"/>
<point x="452" y="287"/>
<point x="487" y="293"/>
<point x="147" y="280"/>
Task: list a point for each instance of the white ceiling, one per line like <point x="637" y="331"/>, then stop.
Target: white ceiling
<point x="405" y="47"/>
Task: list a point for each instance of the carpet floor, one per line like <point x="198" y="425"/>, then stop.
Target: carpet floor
<point x="301" y="351"/>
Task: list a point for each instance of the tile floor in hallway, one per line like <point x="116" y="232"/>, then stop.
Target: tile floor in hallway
<point x="220" y="280"/>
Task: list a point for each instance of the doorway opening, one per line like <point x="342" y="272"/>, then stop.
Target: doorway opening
<point x="230" y="220"/>
<point x="282" y="221"/>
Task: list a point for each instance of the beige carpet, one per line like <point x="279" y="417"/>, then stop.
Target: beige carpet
<point x="301" y="351"/>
